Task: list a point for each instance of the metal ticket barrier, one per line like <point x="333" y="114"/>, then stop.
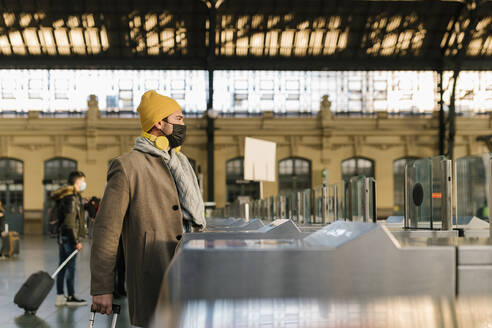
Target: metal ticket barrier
<point x="394" y="312"/>
<point x="343" y="259"/>
<point x="362" y="199"/>
<point x="235" y="225"/>
<point x="278" y="229"/>
<point x="428" y="194"/>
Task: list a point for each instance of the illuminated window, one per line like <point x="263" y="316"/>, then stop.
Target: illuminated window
<point x="35" y="87"/>
<point x="294" y="174"/>
<point x="284" y="92"/>
<point x="356" y="166"/>
<point x="8" y="89"/>
<point x="235" y="183"/>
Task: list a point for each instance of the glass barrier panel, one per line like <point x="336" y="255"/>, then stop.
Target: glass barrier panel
<point x="300" y="206"/>
<point x="342" y="196"/>
<point x="472" y="186"/>
<point x="332" y="205"/>
<point x="424" y="192"/>
<point x="318" y="205"/>
<point x="355" y="198"/>
<point x="371" y="197"/>
<point x="307" y="206"/>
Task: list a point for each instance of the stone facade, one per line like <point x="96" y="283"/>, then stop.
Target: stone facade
<point x="326" y="140"/>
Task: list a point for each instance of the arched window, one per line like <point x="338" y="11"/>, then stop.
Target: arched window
<point x="399" y="184"/>
<point x="294" y="174"/>
<point x="355" y="166"/>
<point x="235" y="183"/>
<point x="12" y="192"/>
<point x="56" y="171"/>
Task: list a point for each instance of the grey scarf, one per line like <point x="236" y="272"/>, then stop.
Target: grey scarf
<point x="190" y="197"/>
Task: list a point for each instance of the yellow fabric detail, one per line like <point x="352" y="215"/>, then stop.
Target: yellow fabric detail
<point x="63" y="192"/>
<point x="155" y="107"/>
<point x="161" y="142"/>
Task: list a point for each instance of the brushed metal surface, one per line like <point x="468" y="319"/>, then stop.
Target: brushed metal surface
<point x="276" y="229"/>
<point x="371" y="264"/>
<point x="475" y="280"/>
<point x="235" y="225"/>
<point x="391" y="312"/>
<point x="479" y="254"/>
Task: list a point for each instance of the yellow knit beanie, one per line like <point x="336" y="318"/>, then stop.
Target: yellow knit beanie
<point x="154" y="108"/>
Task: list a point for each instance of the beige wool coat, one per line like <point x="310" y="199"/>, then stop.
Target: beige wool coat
<point x="141" y="202"/>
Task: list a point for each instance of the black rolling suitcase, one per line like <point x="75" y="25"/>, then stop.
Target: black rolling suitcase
<point x="116" y="311"/>
<point x="33" y="292"/>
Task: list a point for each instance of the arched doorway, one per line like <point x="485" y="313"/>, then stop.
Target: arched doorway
<point x="235" y="183"/>
<point x="12" y="192"/>
<point x="355" y="166"/>
<point x="294" y="174"/>
<point x="56" y="171"/>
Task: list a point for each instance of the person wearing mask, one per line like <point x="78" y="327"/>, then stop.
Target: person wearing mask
<point x="2" y="217"/>
<point x="72" y="230"/>
<point x="151" y="197"/>
<point x="2" y="229"/>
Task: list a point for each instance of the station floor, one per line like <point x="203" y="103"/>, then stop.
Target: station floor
<point x="41" y="253"/>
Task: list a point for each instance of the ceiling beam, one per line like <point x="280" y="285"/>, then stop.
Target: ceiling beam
<point x="239" y="63"/>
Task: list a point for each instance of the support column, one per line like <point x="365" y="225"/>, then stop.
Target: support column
<point x="210" y="103"/>
<point x="442" y="123"/>
<point x="452" y="116"/>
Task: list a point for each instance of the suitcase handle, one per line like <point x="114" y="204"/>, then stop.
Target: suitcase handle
<point x="116" y="310"/>
<point x="64" y="263"/>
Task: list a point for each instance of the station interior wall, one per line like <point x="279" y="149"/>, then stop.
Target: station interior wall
<point x="325" y="140"/>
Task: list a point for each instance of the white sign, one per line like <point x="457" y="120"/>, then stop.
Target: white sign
<point x="259" y="160"/>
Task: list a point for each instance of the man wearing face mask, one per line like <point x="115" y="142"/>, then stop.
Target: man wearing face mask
<point x="72" y="230"/>
<point x="152" y="196"/>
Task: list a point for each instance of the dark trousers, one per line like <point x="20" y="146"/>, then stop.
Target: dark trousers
<point x="65" y="249"/>
<point x="119" y="271"/>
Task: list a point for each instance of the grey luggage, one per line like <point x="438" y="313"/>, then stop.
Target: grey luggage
<point x="33" y="292"/>
<point x="116" y="311"/>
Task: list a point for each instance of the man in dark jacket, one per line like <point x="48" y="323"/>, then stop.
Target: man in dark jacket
<point x="71" y="232"/>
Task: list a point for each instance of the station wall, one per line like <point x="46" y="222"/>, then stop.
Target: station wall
<point x="324" y="139"/>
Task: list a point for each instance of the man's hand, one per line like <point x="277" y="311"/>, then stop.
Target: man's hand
<point x="78" y="246"/>
<point x="102" y="303"/>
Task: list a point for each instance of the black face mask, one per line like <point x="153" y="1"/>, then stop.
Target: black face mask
<point x="178" y="136"/>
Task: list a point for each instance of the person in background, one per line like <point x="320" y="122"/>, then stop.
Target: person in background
<point x="2" y="228"/>
<point x="2" y="217"/>
<point x="72" y="231"/>
<point x="483" y="212"/>
<point x="92" y="206"/>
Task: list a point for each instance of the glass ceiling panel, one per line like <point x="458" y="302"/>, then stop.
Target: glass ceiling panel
<point x="350" y="92"/>
<point x="27" y="34"/>
<point x="390" y="33"/>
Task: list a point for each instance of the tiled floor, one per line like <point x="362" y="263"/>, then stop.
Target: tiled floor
<point x="38" y="253"/>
